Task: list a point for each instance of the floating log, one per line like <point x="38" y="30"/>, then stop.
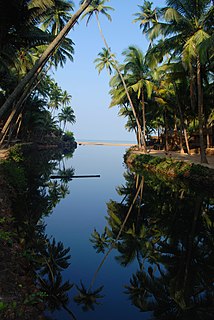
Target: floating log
<point x="71" y="177"/>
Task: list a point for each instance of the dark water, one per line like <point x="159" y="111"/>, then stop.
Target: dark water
<point x="164" y="254"/>
<point x="73" y="222"/>
<point x="127" y="245"/>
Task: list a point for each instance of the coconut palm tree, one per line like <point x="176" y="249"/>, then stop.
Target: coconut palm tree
<point x="37" y="68"/>
<point x="187" y="31"/>
<point x="139" y="78"/>
<point x="56" y="16"/>
<point x="147" y="16"/>
<point x="66" y="98"/>
<point x="97" y="7"/>
<point x="104" y="60"/>
<point x="66" y="115"/>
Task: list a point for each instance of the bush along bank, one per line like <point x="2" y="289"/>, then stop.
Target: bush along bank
<point x="196" y="173"/>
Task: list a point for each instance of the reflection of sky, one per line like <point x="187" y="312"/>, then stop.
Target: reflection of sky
<point x="75" y="218"/>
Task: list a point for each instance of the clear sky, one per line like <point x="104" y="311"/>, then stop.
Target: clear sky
<point x="90" y="91"/>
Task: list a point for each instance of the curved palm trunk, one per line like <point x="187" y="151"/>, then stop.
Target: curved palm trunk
<point x="142" y="141"/>
<point x="43" y="59"/>
<point x="200" y="113"/>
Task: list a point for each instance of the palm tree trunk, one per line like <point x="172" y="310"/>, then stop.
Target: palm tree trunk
<point x="143" y="113"/>
<point x="200" y="112"/>
<point x="183" y="126"/>
<point x="16" y="110"/>
<point x="43" y="59"/>
<point x="142" y="137"/>
<point x="131" y="118"/>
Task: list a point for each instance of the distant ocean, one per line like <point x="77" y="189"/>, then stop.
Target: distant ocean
<point x="108" y="141"/>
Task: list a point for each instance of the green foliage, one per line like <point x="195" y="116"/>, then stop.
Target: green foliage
<point x="155" y="160"/>
<point x="5" y="236"/>
<point x="15" y="175"/>
<point x="169" y="166"/>
<point x="35" y="298"/>
<point x="3" y="306"/>
<point x="16" y="153"/>
<point x="68" y="136"/>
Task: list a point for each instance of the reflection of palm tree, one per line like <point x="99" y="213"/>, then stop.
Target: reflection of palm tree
<point x="57" y="191"/>
<point x="132" y="246"/>
<point x="56" y="258"/>
<point x="153" y="293"/>
<point x="88" y="298"/>
<point x="66" y="174"/>
<point x="100" y="241"/>
<point x="56" y="291"/>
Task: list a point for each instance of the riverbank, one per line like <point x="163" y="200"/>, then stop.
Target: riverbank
<point x="192" y="158"/>
<point x="173" y="165"/>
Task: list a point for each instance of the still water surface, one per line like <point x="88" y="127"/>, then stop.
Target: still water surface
<point x="166" y="246"/>
<point x="74" y="219"/>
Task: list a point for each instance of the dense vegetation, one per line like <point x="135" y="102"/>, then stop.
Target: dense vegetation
<point x="32" y="42"/>
<point x="167" y="89"/>
<point x="31" y="263"/>
<point x="167" y="237"/>
<point x="195" y="173"/>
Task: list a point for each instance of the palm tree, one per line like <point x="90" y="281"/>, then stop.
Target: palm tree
<point x="37" y="68"/>
<point x="53" y="21"/>
<point x="147" y="16"/>
<point x="96" y="7"/>
<point x="188" y="33"/>
<point x="105" y="60"/>
<point x="56" y="17"/>
<point x="66" y="98"/>
<point x="138" y="75"/>
<point x="66" y="115"/>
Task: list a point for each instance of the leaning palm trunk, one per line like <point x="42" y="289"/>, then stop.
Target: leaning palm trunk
<point x="14" y="114"/>
<point x="141" y="140"/>
<point x="200" y="113"/>
<point x="43" y="59"/>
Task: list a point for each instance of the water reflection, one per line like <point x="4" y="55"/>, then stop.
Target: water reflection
<point x="36" y="261"/>
<point x="161" y="230"/>
<point x="170" y="235"/>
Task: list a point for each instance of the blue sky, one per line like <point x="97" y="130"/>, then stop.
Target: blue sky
<point x="90" y="91"/>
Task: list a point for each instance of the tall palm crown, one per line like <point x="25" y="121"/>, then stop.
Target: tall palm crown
<point x="57" y="16"/>
<point x="66" y="115"/>
<point x="105" y="60"/>
<point x="96" y="7"/>
<point x="187" y="28"/>
<point x="137" y="68"/>
<point x="147" y="16"/>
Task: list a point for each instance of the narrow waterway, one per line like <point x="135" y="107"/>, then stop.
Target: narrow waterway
<point x="74" y="220"/>
<point x="162" y="262"/>
<point x="128" y="244"/>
